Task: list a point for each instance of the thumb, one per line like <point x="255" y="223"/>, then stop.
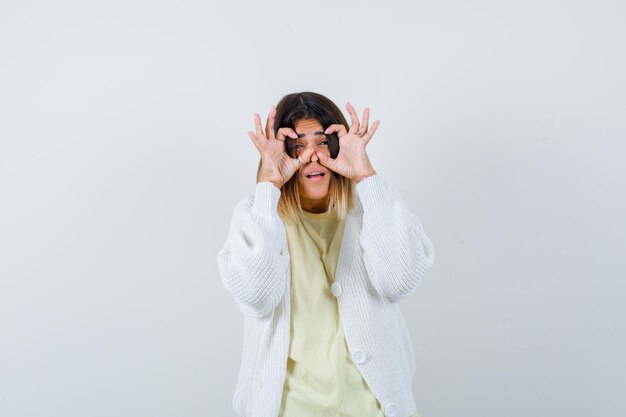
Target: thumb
<point x="305" y="158"/>
<point x="325" y="160"/>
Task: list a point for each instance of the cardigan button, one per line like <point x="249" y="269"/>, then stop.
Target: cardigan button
<point x="336" y="289"/>
<point x="358" y="356"/>
<point x="391" y="410"/>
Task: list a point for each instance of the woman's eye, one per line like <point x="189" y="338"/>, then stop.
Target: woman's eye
<point x="324" y="142"/>
<point x="297" y="145"/>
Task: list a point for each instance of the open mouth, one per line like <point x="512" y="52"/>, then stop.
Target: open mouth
<point x="315" y="176"/>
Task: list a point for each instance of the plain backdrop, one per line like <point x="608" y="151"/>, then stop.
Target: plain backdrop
<point x="124" y="151"/>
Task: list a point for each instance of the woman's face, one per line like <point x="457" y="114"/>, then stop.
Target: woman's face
<point x="313" y="189"/>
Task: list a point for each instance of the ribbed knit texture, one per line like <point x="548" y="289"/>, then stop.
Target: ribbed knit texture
<point x="384" y="255"/>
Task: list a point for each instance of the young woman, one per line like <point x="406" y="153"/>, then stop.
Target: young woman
<point x="317" y="260"/>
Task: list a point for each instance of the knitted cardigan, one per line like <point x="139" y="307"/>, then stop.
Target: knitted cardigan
<point x="383" y="256"/>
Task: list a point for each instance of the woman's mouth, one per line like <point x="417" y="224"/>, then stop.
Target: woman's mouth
<point x="315" y="176"/>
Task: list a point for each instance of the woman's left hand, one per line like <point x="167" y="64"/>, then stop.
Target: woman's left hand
<point x="352" y="161"/>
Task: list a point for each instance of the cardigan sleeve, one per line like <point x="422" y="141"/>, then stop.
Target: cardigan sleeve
<point x="396" y="251"/>
<point x="254" y="261"/>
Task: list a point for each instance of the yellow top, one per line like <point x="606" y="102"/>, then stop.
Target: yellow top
<point x="321" y="379"/>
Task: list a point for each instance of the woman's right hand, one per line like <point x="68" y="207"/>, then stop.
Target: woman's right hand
<point x="276" y="166"/>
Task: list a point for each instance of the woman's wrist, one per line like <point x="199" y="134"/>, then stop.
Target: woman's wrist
<point x="276" y="183"/>
<point x="359" y="178"/>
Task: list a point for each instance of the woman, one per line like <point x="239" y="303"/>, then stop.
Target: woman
<point x="317" y="261"/>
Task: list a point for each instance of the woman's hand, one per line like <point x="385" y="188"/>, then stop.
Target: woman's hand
<point x="352" y="161"/>
<point x="276" y="166"/>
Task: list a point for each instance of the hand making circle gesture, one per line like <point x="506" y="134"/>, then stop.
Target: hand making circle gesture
<point x="352" y="161"/>
<point x="276" y="166"/>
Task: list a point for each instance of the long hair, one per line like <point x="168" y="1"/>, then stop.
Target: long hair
<point x="308" y="105"/>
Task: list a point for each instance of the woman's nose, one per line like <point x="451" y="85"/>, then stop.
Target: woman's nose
<point x="314" y="157"/>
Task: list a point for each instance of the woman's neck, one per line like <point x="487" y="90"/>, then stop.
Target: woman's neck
<point x="314" y="206"/>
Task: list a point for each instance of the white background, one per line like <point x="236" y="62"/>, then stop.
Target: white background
<point x="124" y="150"/>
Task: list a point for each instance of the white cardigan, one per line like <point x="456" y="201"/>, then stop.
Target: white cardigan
<point x="384" y="255"/>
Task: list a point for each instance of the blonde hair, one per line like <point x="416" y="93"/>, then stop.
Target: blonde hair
<point x="340" y="197"/>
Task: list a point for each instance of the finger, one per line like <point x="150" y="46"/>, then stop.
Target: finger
<point x="306" y="156"/>
<point x="340" y="129"/>
<point x="269" y="127"/>
<point x="355" y="120"/>
<point x="326" y="161"/>
<point x="366" y="118"/>
<point x="369" y="134"/>
<point x="255" y="141"/>
<point x="283" y="132"/>
<point x="257" y="125"/>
